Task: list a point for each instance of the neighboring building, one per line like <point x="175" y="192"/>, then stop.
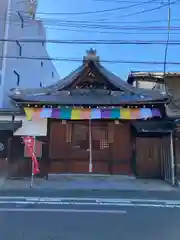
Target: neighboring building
<point x="19" y="23"/>
<point x="168" y="83"/>
<point x="147" y="80"/>
<point x="92" y="121"/>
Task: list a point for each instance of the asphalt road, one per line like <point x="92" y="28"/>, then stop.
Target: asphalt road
<point x="70" y="222"/>
<point x="169" y="195"/>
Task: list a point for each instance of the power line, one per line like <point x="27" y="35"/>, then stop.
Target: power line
<point x="147" y="28"/>
<point x="113" y="28"/>
<point x="145" y="11"/>
<point x="110" y="32"/>
<point x="85" y="28"/>
<point x="15" y="18"/>
<point x="102" y="26"/>
<point x="99" y="31"/>
<point x="128" y="30"/>
<point x="125" y="1"/>
<point x="111" y="22"/>
<point x="105" y="22"/>
<point x="98" y="11"/>
<point x="113" y="9"/>
<point x="98" y="42"/>
<point x="119" y="17"/>
<point x="82" y="25"/>
<point x="148" y="10"/>
<point x="80" y="60"/>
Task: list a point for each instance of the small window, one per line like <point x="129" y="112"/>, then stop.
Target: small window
<point x="40" y="84"/>
<point x="42" y="64"/>
<point x="80" y="138"/>
<point x="17" y="78"/>
<point x="52" y="74"/>
<point x="19" y="48"/>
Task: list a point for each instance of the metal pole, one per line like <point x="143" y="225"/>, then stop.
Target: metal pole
<point x="32" y="173"/>
<point x="90" y="147"/>
<point x="172" y="159"/>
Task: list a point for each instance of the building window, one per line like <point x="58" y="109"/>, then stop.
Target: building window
<point x="42" y="64"/>
<point x="18" y="78"/>
<point x="52" y="74"/>
<point x="19" y="48"/>
<point x="80" y="139"/>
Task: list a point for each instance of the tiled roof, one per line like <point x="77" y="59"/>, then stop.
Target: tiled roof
<point x="89" y="97"/>
<point x="150" y="76"/>
<point x="55" y="92"/>
<point x="154" y="74"/>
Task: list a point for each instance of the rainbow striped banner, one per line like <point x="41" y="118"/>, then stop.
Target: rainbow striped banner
<point x="91" y="113"/>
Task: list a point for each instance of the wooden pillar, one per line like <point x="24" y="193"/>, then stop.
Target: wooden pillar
<point x="172" y="158"/>
<point x="90" y="147"/>
<point x="9" y="156"/>
<point x="46" y="159"/>
<point x="46" y="149"/>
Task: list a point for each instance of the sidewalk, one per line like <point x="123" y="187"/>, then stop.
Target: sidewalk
<point x="88" y="182"/>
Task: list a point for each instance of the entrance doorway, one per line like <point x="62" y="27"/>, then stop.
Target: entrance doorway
<point x="101" y="147"/>
<point x="101" y="143"/>
<point x="154" y="158"/>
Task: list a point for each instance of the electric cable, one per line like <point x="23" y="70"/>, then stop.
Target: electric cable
<point x="119" y="17"/>
<point x="99" y="11"/>
<point x="64" y="59"/>
<point x="97" y="42"/>
<point x="27" y="18"/>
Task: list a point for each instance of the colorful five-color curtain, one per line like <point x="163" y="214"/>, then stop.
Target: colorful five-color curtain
<point x="92" y="113"/>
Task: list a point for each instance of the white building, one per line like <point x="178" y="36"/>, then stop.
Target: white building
<point x="17" y="23"/>
<point x="147" y="80"/>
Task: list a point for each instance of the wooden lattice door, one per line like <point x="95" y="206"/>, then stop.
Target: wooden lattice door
<point x="101" y="146"/>
<point x="78" y="150"/>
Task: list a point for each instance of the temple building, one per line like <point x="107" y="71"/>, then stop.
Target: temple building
<point x="92" y="121"/>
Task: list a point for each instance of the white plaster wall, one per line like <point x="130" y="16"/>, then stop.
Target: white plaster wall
<point x="149" y="85"/>
<point x="31" y="72"/>
<point x="31" y="128"/>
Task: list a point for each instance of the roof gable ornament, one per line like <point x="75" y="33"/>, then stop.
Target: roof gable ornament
<point x="91" y="55"/>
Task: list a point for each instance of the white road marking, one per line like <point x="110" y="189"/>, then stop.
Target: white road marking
<point x="62" y="210"/>
<point x="121" y="204"/>
<point x="92" y="200"/>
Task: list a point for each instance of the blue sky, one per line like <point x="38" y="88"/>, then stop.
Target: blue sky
<point x="115" y="19"/>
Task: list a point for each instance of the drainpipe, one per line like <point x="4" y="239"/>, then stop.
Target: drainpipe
<point x="5" y="50"/>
